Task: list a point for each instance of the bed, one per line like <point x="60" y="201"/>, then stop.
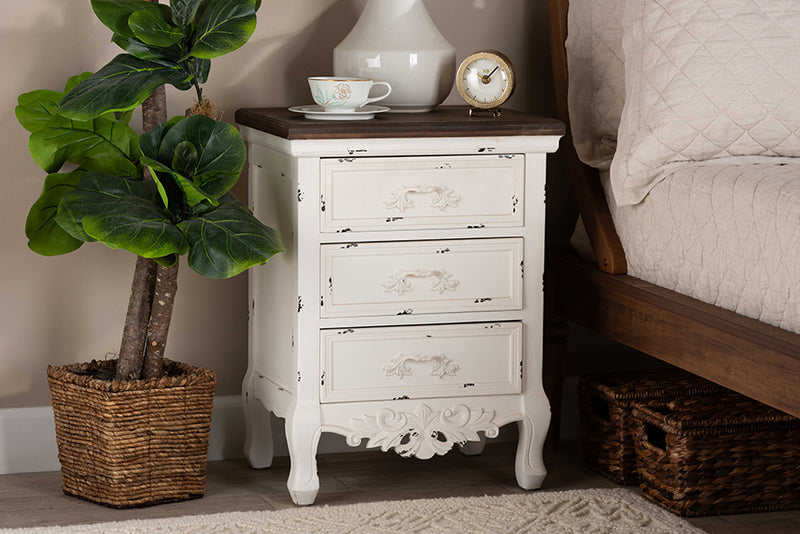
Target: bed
<point x="685" y="167"/>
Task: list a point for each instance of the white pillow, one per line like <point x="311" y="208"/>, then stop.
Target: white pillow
<point x="705" y="80"/>
<point x="596" y="77"/>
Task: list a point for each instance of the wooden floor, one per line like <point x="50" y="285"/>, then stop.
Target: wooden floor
<point x="35" y="499"/>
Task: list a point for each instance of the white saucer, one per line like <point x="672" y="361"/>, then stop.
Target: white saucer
<point x="318" y="113"/>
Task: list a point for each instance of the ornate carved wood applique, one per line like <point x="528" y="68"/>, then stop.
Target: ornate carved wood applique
<point x="425" y="432"/>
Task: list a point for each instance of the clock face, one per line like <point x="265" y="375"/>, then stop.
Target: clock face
<point x="485" y="80"/>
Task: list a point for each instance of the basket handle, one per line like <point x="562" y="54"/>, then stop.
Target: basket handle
<point x="655" y="438"/>
<point x="600" y="408"/>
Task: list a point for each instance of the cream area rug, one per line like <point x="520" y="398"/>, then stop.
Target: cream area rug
<point x="595" y="511"/>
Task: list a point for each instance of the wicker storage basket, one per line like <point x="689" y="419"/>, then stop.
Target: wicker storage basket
<point x="717" y="455"/>
<point x="605" y="409"/>
<point x="132" y="443"/>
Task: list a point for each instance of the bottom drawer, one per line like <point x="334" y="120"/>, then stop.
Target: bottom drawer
<point x="420" y="361"/>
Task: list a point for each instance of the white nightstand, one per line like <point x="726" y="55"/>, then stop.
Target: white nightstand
<point x="407" y="308"/>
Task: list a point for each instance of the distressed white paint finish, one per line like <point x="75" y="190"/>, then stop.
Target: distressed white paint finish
<point x="422" y="192"/>
<point x="294" y="371"/>
<point x="420" y="146"/>
<point x="482" y="359"/>
<point x="413" y="277"/>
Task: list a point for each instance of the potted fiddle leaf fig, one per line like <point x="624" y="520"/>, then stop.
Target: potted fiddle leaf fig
<point x="133" y="431"/>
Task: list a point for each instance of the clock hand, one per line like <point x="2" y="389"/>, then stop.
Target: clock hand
<point x="486" y="78"/>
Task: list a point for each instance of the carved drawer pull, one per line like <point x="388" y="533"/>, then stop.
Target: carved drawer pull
<point x="444" y="197"/>
<point x="442" y="365"/>
<point x="399" y="281"/>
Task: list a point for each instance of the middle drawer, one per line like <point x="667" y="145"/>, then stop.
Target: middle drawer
<point x="405" y="277"/>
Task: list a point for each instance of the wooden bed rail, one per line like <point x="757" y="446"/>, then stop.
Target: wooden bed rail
<point x="750" y="357"/>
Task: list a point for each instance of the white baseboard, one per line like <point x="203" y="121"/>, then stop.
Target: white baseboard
<point x="28" y="438"/>
<point x="227" y="429"/>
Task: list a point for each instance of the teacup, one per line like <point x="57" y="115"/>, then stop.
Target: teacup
<point x="342" y="94"/>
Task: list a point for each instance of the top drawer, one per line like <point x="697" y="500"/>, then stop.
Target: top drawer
<point x="422" y="192"/>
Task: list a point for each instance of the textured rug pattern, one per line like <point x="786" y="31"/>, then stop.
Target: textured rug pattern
<point x="595" y="511"/>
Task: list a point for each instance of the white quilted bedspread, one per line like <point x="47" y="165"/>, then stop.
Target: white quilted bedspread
<point x="725" y="232"/>
<point x="705" y="80"/>
<point x="596" y="78"/>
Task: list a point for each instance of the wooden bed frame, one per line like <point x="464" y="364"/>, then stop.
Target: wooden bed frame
<point x="748" y="356"/>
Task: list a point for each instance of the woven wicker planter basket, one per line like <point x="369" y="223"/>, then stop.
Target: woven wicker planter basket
<point x="132" y="443"/>
<point x="606" y="422"/>
<point x="724" y="454"/>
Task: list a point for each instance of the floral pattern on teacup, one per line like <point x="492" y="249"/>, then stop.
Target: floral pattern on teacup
<point x="338" y="97"/>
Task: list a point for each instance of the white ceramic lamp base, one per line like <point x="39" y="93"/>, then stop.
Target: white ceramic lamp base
<point x="395" y="41"/>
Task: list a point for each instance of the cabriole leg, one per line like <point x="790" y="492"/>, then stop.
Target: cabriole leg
<point x="529" y="467"/>
<point x="303" y="429"/>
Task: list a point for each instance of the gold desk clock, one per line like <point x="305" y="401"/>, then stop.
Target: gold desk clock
<point x="485" y="80"/>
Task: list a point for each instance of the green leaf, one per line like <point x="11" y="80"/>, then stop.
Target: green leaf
<point x="138" y="226"/>
<point x="162" y="191"/>
<point x="167" y="261"/>
<point x="191" y="193"/>
<point x="115" y="13"/>
<point x="174" y="197"/>
<point x="35" y="109"/>
<point x="45" y="236"/>
<point x="184" y="158"/>
<point x="124" y="83"/>
<point x="151" y="28"/>
<point x="138" y="49"/>
<point x="75" y="80"/>
<point x="220" y="148"/>
<point x="222" y="26"/>
<point x="121" y="213"/>
<point x="150" y="141"/>
<point x="151" y="144"/>
<point x="184" y="11"/>
<point x="93" y="193"/>
<point x="116" y="187"/>
<point x="199" y="68"/>
<point x="124" y="116"/>
<point x="228" y="240"/>
<point x="102" y="145"/>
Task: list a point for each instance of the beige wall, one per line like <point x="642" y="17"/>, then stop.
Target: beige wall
<point x="71" y="308"/>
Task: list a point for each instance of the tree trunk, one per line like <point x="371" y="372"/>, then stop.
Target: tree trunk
<point x="131" y="351"/>
<point x="160" y="319"/>
<point x="154" y="109"/>
<point x="134" y="334"/>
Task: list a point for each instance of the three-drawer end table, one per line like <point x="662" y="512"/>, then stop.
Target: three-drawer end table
<point x="407" y="308"/>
